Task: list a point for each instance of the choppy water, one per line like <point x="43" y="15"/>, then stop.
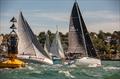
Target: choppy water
<point x="109" y="70"/>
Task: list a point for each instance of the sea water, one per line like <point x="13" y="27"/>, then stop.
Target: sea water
<point x="109" y="70"/>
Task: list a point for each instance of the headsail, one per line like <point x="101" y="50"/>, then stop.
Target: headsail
<point x="79" y="39"/>
<point x="56" y="47"/>
<point x="28" y="43"/>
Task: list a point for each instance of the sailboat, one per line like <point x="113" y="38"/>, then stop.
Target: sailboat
<point x="80" y="48"/>
<point x="47" y="45"/>
<point x="28" y="46"/>
<point x="56" y="50"/>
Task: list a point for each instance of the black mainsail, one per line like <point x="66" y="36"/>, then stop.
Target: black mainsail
<point x="79" y="39"/>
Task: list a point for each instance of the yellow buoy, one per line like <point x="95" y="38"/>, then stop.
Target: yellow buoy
<point x="12" y="43"/>
<point x="12" y="63"/>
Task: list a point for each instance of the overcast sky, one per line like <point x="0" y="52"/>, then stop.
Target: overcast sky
<point x="46" y="14"/>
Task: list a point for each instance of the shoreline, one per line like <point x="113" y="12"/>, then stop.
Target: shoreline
<point x="110" y="59"/>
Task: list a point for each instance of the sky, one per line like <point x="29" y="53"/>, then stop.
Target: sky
<point x="43" y="15"/>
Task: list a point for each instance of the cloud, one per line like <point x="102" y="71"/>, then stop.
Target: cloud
<point x="53" y="16"/>
<point x="105" y="26"/>
<point x="106" y="14"/>
<point x="102" y="20"/>
<point x="42" y="21"/>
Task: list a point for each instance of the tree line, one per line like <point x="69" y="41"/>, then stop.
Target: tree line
<point x="107" y="44"/>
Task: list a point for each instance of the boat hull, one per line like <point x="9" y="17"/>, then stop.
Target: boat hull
<point x="34" y="59"/>
<point x="88" y="61"/>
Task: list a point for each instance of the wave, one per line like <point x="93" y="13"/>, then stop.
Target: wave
<point x="111" y="68"/>
<point x="30" y="67"/>
<point x="73" y="66"/>
<point x="67" y="73"/>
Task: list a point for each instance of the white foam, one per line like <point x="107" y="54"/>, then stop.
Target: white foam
<point x="93" y="65"/>
<point x="37" y="72"/>
<point x="30" y="67"/>
<point x="73" y="65"/>
<point x="111" y="68"/>
<point x="67" y="73"/>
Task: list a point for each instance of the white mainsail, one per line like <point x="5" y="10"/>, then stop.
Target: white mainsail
<point x="47" y="45"/>
<point x="28" y="44"/>
<point x="56" y="47"/>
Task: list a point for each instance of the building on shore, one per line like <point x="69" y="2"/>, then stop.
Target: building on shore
<point x="1" y="38"/>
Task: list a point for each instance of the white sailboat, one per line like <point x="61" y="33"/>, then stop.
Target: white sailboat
<point x="28" y="45"/>
<point x="47" y="46"/>
<point x="80" y="48"/>
<point x="56" y="50"/>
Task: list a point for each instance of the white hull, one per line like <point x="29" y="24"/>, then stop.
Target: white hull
<point x="37" y="59"/>
<point x="88" y="61"/>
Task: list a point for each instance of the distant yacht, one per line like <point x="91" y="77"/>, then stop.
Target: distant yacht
<point x="28" y="46"/>
<point x="80" y="48"/>
<point x="56" y="50"/>
<point x="47" y="45"/>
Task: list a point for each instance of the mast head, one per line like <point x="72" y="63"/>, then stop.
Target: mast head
<point x="75" y="0"/>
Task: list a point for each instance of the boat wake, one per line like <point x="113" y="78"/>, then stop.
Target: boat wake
<point x="111" y="68"/>
<point x="30" y="68"/>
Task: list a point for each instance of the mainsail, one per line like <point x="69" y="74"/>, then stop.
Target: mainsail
<point x="47" y="45"/>
<point x="56" y="47"/>
<point x="79" y="39"/>
<point x="28" y="43"/>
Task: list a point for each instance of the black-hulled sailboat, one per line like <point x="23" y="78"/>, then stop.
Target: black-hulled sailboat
<point x="80" y="48"/>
